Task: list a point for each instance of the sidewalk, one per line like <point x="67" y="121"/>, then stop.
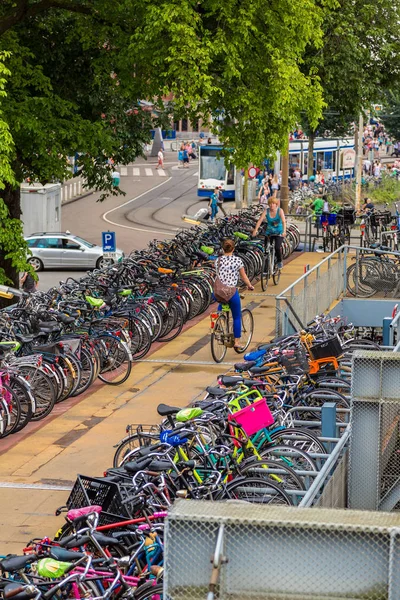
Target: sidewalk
<point x="39" y="469"/>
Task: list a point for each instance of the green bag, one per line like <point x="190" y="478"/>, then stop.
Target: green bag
<point x="53" y="569"/>
<point x="186" y="414"/>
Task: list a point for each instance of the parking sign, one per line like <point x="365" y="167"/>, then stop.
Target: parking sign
<point x="109" y="241"/>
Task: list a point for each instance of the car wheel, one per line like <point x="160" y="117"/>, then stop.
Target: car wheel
<point x="36" y="263"/>
<point x="103" y="262"/>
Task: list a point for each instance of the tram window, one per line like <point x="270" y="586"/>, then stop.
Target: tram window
<point x="230" y="176"/>
<point x="329" y="162"/>
<point x="212" y="164"/>
<point x="320" y="161"/>
<point x="294" y="161"/>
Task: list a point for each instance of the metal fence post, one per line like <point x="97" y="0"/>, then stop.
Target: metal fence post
<point x="387" y="332"/>
<point x="328" y="422"/>
<point x="316" y="291"/>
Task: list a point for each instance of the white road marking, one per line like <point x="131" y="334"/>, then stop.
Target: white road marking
<point x="105" y="215"/>
<point x="149" y="172"/>
<point x="124" y="171"/>
<point x="34" y="486"/>
<point x="161" y="172"/>
<point x="195" y="174"/>
<point x="136" y="172"/>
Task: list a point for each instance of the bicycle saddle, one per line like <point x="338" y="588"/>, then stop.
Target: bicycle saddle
<point x="245" y="366"/>
<point x="230" y="381"/>
<point x="65" y="555"/>
<point x="135" y="466"/>
<point x="16" y="563"/>
<point x="216" y="391"/>
<point x="165" y="411"/>
<point x="159" y="465"/>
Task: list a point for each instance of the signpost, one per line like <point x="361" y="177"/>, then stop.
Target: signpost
<point x="252" y="172"/>
<point x="109" y="244"/>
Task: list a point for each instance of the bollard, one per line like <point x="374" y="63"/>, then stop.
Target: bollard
<point x="386" y="331"/>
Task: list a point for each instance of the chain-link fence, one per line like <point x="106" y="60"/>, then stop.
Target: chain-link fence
<point x="372" y="273"/>
<point x="374" y="465"/>
<point x="279" y="553"/>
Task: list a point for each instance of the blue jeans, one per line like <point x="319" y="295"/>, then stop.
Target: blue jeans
<point x="214" y="210"/>
<point x="236" y="310"/>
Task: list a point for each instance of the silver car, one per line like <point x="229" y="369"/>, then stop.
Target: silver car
<point x="64" y="250"/>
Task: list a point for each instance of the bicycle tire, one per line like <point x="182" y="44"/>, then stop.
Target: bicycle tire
<point x="217" y="339"/>
<point x="177" y="327"/>
<point x="117" y="361"/>
<point x="249" y="489"/>
<point x="149" y="592"/>
<point x="247" y="323"/>
<point x="311" y="439"/>
<point x="26" y="400"/>
<point x="42" y="389"/>
<point x="265" y="274"/>
<point x="276" y="275"/>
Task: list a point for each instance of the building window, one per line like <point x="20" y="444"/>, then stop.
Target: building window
<point x="176" y="125"/>
<point x="184" y="124"/>
<point x="57" y="215"/>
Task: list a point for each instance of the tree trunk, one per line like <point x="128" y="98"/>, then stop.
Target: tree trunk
<point x="310" y="155"/>
<point x="12" y="199"/>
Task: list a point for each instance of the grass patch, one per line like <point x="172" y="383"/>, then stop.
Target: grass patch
<point x="387" y="191"/>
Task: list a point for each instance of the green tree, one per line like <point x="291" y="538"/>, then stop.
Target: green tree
<point x="391" y="110"/>
<point x="359" y="59"/>
<point x="78" y="68"/>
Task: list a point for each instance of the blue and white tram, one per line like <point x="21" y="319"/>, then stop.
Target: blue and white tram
<point x="213" y="172"/>
<point x="327" y="157"/>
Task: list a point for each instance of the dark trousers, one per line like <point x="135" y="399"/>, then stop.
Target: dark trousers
<point x="221" y="207"/>
<point x="278" y="241"/>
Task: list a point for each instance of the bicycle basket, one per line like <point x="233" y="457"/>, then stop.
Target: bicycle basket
<point x="88" y="491"/>
<point x="326" y="348"/>
<point x="381" y="218"/>
<point x="348" y="215"/>
<point x="254" y="417"/>
<point x="295" y="363"/>
<point x="328" y="217"/>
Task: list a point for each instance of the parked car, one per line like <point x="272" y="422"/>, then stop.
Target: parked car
<point x="64" y="250"/>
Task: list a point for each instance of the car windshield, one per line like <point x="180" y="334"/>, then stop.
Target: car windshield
<point x="84" y="242"/>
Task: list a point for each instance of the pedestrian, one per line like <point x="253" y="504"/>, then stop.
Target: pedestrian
<point x="275" y="184"/>
<point x="367" y="166"/>
<point x="28" y="283"/>
<point x="228" y="268"/>
<point x="221" y="201"/>
<point x="377" y="170"/>
<point x="185" y="157"/>
<point x="160" y="157"/>
<point x="274" y="219"/>
<point x="209" y="141"/>
<point x="180" y="157"/>
<point x="213" y="204"/>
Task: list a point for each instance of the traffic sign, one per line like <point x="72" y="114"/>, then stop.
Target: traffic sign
<point x="109" y="241"/>
<point x="252" y="172"/>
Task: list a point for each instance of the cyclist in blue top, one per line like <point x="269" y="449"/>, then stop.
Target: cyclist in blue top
<point x="275" y="226"/>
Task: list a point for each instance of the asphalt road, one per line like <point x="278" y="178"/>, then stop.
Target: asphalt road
<point x="152" y="208"/>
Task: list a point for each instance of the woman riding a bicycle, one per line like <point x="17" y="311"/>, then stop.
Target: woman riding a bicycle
<point x="274" y="219"/>
<point x="229" y="267"/>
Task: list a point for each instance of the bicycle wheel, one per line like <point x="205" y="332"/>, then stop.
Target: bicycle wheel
<point x="148" y="591"/>
<point x="247" y="330"/>
<point x="292" y="456"/>
<point x="298" y="438"/>
<point x="276" y="275"/>
<point x="42" y="389"/>
<point x="255" y="490"/>
<point x="218" y="337"/>
<point x="265" y="273"/>
<point x="132" y="443"/>
<point x="116" y="360"/>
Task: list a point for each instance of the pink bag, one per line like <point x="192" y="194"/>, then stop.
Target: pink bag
<point x="222" y="292"/>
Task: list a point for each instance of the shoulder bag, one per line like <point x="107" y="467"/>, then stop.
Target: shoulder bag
<point x="222" y="292"/>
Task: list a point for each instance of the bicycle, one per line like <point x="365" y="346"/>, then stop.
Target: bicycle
<point x="270" y="265"/>
<point x="222" y="336"/>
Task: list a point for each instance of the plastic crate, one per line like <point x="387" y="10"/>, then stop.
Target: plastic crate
<point x="348" y="215"/>
<point x="381" y="218"/>
<point x="331" y="218"/>
<point x="295" y="363"/>
<point x="89" y="490"/>
<point x="254" y="417"/>
<point x="327" y="348"/>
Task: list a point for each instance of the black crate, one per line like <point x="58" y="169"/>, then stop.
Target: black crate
<point x="296" y="363"/>
<point x="381" y="218"/>
<point x="348" y="215"/>
<point x="327" y="348"/>
<point x="88" y="491"/>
